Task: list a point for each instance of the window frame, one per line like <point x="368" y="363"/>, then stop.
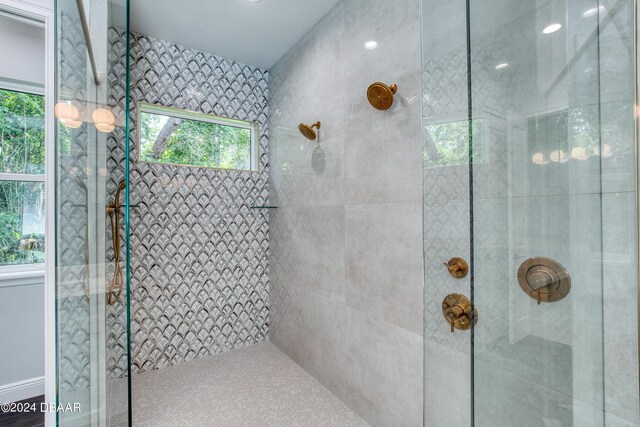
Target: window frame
<point x="20" y="274"/>
<point x="179" y="113"/>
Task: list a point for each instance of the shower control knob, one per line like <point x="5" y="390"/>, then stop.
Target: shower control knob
<point x="457" y="267"/>
<point x="457" y="311"/>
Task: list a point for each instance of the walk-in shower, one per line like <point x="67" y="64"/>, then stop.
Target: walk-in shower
<point x="460" y="248"/>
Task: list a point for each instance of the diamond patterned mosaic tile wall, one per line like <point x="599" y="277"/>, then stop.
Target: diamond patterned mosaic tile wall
<point x="116" y="314"/>
<point x="73" y="301"/>
<point x="199" y="253"/>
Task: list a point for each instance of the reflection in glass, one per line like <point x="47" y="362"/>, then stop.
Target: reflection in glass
<point x="447" y="144"/>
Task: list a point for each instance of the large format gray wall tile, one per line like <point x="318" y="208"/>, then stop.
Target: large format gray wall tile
<point x="73" y="302"/>
<point x="384" y="262"/>
<point x="346" y="241"/>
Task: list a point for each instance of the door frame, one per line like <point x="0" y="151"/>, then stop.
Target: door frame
<point x="38" y="12"/>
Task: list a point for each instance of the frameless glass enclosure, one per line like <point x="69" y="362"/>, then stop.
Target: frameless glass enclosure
<point x="529" y="123"/>
<point x="529" y="201"/>
<point x="90" y="113"/>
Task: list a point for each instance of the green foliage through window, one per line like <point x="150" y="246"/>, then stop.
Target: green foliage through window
<point x="21" y="132"/>
<point x="22" y="128"/>
<point x="194" y="139"/>
<point x="447" y="144"/>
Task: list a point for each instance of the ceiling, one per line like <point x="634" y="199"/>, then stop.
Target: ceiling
<point x="255" y="34"/>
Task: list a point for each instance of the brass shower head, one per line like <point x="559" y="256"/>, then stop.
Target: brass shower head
<point x="308" y="131"/>
<point x="381" y="96"/>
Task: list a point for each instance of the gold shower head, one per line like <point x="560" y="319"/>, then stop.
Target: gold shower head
<point x="308" y="131"/>
<point x="381" y="96"/>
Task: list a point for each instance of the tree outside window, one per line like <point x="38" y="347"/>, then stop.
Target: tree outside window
<point x="22" y="128"/>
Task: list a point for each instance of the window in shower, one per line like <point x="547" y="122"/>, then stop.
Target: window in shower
<point x="22" y="128"/>
<point x="447" y="143"/>
<point x="180" y="137"/>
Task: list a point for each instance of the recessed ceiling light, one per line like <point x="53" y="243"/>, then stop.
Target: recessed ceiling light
<point x="502" y="66"/>
<point x="252" y="1"/>
<point x="372" y="44"/>
<point x="551" y="28"/>
<point x="593" y="11"/>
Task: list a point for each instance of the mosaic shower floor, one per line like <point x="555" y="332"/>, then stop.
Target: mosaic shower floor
<point x="257" y="386"/>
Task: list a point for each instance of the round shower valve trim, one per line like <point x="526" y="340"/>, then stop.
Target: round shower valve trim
<point x="544" y="279"/>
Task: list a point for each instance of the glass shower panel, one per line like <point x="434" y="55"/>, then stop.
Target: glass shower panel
<point x="537" y="238"/>
<point x="90" y="105"/>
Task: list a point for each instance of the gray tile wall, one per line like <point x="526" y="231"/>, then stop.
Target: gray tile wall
<point x="116" y="315"/>
<point x="73" y="304"/>
<point x="346" y="240"/>
<point x="199" y="253"/>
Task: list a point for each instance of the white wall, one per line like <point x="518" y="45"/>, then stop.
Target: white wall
<point x="24" y="44"/>
<point x="22" y="299"/>
<point x="22" y="337"/>
<point x="48" y="4"/>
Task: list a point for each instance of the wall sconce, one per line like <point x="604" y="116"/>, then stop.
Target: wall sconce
<point x="67" y="114"/>
<point x="104" y="120"/>
<point x="558" y="156"/>
<point x="606" y="151"/>
<point x="538" y="159"/>
<point x="579" y="153"/>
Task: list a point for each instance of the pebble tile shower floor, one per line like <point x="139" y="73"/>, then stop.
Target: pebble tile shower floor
<point x="257" y="386"/>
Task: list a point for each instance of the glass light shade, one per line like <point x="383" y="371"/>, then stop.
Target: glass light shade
<point x="104" y="120"/>
<point x="538" y="158"/>
<point x="73" y="124"/>
<point x="68" y="114"/>
<point x="579" y="153"/>
<point x="606" y="151"/>
<point x="558" y="156"/>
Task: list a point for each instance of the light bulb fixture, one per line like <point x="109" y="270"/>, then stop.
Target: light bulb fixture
<point x="502" y="66"/>
<point x="104" y="120"/>
<point x="558" y="156"/>
<point x="538" y="158"/>
<point x="579" y="153"/>
<point x="72" y="124"/>
<point x="371" y="44"/>
<point x="252" y="1"/>
<point x="551" y="28"/>
<point x="67" y="114"/>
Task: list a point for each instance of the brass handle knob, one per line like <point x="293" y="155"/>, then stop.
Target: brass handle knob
<point x="457" y="310"/>
<point x="457" y="267"/>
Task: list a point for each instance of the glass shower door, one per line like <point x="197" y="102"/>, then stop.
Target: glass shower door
<point x="90" y="109"/>
<point x="551" y="93"/>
